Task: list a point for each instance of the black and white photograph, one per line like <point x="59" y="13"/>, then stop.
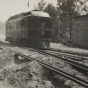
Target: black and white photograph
<point x="43" y="43"/>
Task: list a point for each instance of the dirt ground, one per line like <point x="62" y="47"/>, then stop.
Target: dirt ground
<point x="68" y="48"/>
<point x="31" y="74"/>
<point x="22" y="75"/>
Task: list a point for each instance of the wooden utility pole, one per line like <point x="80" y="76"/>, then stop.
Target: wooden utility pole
<point x="58" y="15"/>
<point x="71" y="23"/>
<point x="70" y="26"/>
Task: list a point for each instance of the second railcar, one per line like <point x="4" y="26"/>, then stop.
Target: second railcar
<point x="80" y="31"/>
<point x="31" y="29"/>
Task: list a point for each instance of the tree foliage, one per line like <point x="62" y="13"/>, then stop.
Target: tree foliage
<point x="51" y="10"/>
<point x="41" y="5"/>
<point x="69" y="9"/>
<point x="75" y="7"/>
<point x="53" y="14"/>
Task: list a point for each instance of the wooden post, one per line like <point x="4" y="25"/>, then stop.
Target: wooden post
<point x="70" y="28"/>
<point x="71" y="24"/>
<point x="58" y="15"/>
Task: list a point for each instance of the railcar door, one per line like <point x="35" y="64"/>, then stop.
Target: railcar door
<point x="75" y="35"/>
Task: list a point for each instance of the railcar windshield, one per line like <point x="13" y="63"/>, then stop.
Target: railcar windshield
<point x="40" y="23"/>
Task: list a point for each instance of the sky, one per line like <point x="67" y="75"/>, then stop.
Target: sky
<point x="12" y="7"/>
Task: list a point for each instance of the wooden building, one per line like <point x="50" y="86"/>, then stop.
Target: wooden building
<point x="80" y="31"/>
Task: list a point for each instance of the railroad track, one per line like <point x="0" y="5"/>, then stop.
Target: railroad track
<point x="65" y="74"/>
<point x="73" y="63"/>
<point x="66" y="55"/>
<point x="83" y="55"/>
<point x="71" y="55"/>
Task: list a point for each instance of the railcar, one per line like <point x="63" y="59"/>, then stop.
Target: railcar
<point x="80" y="31"/>
<point x="31" y="29"/>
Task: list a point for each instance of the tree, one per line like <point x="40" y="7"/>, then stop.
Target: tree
<point x="69" y="9"/>
<point x="41" y="5"/>
<point x="51" y="10"/>
<point x="74" y="7"/>
<point x="53" y="14"/>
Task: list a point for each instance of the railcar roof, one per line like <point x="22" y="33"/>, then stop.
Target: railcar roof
<point x="30" y="13"/>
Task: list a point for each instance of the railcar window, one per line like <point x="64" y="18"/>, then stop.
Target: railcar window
<point x="39" y="23"/>
<point x="7" y="25"/>
<point x="44" y="23"/>
<point x="33" y="23"/>
<point x="14" y="26"/>
<point x="22" y="23"/>
<point x="48" y="24"/>
<point x="17" y="25"/>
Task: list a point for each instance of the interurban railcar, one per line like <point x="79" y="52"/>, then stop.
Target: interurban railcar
<point x="31" y="29"/>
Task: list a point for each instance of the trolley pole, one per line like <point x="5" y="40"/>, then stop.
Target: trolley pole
<point x="58" y="15"/>
<point x="28" y="4"/>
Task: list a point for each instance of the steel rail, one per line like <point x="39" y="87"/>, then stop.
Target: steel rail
<point x="68" y="55"/>
<point x="74" y="56"/>
<point x="65" y="74"/>
<point x="81" y="54"/>
<point x="73" y="63"/>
